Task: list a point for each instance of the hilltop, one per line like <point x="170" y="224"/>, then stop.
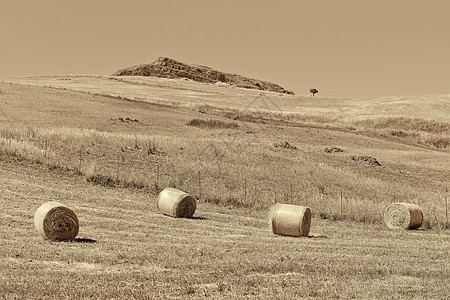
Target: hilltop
<point x="169" y="68"/>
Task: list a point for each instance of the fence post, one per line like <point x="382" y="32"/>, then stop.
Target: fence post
<point x="136" y="140"/>
<point x="446" y="212"/>
<point x="245" y="190"/>
<point x="79" y="166"/>
<point x="118" y="166"/>
<point x="199" y="185"/>
<point x="292" y="199"/>
<point x="157" y="175"/>
<point x="45" y="149"/>
<point x="10" y="140"/>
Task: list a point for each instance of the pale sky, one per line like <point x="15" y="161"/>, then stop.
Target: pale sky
<point x="341" y="47"/>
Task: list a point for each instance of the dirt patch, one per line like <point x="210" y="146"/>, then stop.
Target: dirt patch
<point x="367" y="159"/>
<point x="333" y="150"/>
<point x="128" y="120"/>
<point x="285" y="145"/>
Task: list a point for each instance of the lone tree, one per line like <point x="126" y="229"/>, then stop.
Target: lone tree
<point x="313" y="91"/>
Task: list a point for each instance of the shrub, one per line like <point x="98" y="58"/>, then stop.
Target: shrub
<point x="212" y="124"/>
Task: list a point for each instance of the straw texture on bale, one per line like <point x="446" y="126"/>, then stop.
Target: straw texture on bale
<point x="56" y="222"/>
<point x="176" y="203"/>
<point x="403" y="216"/>
<point x="290" y="220"/>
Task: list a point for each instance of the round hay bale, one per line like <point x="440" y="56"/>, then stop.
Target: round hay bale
<point x="176" y="203"/>
<point x="56" y="222"/>
<point x="290" y="220"/>
<point x="403" y="216"/>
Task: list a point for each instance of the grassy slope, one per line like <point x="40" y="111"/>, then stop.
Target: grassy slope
<point x="231" y="252"/>
<point x="66" y="122"/>
<point x="190" y="93"/>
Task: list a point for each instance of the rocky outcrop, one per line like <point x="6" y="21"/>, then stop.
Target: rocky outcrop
<point x="170" y="68"/>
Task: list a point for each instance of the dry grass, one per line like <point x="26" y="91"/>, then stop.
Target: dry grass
<point x="425" y="132"/>
<point x="418" y="120"/>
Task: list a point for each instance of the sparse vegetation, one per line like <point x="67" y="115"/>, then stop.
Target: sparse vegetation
<point x="406" y="124"/>
<point x="333" y="150"/>
<point x="219" y="180"/>
<point x="368" y="159"/>
<point x="420" y="131"/>
<point x="212" y="124"/>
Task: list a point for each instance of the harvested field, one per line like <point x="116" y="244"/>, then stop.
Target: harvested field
<point x="223" y="253"/>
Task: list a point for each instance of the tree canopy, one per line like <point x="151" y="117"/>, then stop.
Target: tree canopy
<point x="313" y="91"/>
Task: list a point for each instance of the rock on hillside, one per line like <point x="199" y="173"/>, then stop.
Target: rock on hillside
<point x="170" y="68"/>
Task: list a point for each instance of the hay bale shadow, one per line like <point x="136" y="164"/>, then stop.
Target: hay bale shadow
<point x="317" y="236"/>
<point x="198" y="218"/>
<point x="84" y="240"/>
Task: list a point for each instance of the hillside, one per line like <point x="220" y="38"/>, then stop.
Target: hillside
<point x="186" y="127"/>
<point x="200" y="96"/>
<point x="169" y="68"/>
<point x="106" y="146"/>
